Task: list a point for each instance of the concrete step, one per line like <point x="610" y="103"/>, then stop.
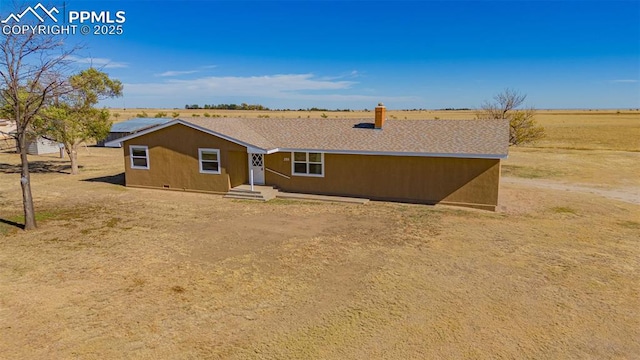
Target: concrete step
<point x="261" y="193"/>
<point x="244" y="191"/>
<point x="245" y="196"/>
<point x="240" y="197"/>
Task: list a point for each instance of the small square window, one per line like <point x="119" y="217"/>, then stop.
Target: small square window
<point x="209" y="160"/>
<point x="139" y="157"/>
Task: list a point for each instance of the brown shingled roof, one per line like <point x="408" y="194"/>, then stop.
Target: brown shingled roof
<point x="485" y="138"/>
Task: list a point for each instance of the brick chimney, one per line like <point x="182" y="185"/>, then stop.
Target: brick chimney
<point x="381" y="116"/>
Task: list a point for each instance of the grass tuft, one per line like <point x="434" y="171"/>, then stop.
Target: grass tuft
<point x="40" y="216"/>
<point x="7" y="229"/>
<point x="178" y="289"/>
<point x="630" y="224"/>
<point x="564" y="210"/>
<point x="111" y="223"/>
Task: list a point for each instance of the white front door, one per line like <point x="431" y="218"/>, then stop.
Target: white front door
<point x="256" y="165"/>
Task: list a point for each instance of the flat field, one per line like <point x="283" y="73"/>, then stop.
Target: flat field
<point x="566" y="129"/>
<point x="114" y="272"/>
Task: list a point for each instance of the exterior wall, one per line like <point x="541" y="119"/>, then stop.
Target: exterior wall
<point x="42" y="146"/>
<point x="112" y="136"/>
<point x="173" y="164"/>
<point x="467" y="182"/>
<point x="173" y="161"/>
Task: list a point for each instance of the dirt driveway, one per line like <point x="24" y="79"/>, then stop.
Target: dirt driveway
<point x="628" y="194"/>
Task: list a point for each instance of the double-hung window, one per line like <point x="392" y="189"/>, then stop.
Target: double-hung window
<point x="209" y="161"/>
<point x="308" y="164"/>
<point x="139" y="157"/>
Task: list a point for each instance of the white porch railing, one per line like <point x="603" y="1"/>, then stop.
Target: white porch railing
<point x="277" y="173"/>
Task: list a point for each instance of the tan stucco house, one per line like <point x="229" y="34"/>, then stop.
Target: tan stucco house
<point x="417" y="161"/>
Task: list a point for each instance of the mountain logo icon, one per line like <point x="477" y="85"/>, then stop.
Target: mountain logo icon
<point x="35" y="11"/>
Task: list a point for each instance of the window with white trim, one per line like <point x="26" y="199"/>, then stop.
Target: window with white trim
<point x="209" y="161"/>
<point x="308" y="163"/>
<point x="139" y="157"/>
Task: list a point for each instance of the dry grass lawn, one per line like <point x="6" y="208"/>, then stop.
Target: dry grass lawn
<point x="114" y="272"/>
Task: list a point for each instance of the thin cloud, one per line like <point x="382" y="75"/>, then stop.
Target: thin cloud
<point x="98" y="62"/>
<point x="176" y="73"/>
<point x="348" y="75"/>
<point x="172" y="73"/>
<point x="623" y="81"/>
<point x="280" y="86"/>
<point x="267" y="85"/>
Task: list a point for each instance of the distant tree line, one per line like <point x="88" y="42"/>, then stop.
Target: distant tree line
<point x="243" y="106"/>
<point x="322" y="109"/>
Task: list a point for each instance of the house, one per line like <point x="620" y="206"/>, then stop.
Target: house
<point x="417" y="161"/>
<point x="129" y="127"/>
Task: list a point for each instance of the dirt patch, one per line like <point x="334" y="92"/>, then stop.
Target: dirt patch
<point x="630" y="194"/>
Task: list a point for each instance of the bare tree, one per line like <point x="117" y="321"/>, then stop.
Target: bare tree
<point x="523" y="127"/>
<point x="30" y="73"/>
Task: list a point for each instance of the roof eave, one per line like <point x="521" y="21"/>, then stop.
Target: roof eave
<point x="185" y="123"/>
<point x="395" y="153"/>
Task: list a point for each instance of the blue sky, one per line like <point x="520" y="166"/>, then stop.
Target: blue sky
<point x="354" y="54"/>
